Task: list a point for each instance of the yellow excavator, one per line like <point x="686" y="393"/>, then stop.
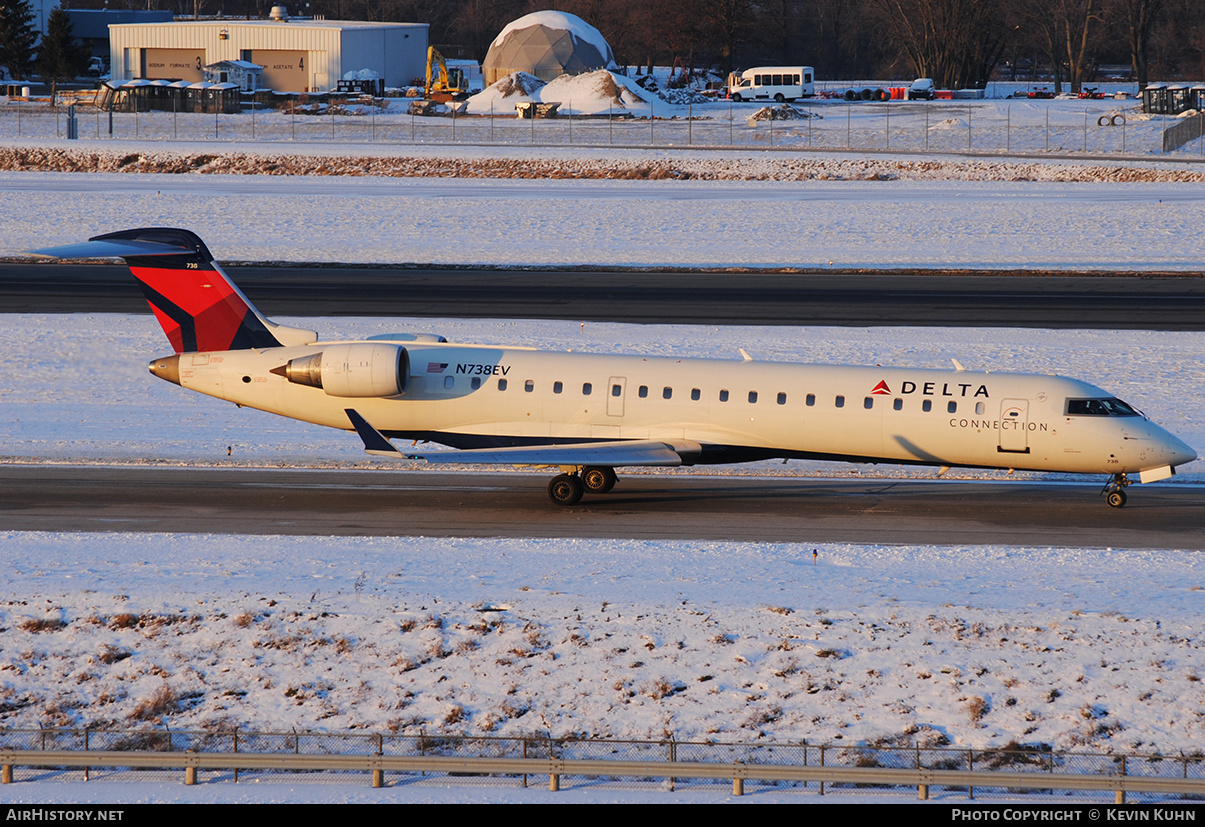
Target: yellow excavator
<point x="448" y="84"/>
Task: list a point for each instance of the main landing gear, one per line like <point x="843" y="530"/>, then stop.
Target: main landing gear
<point x="568" y="488"/>
<point x="1114" y="490"/>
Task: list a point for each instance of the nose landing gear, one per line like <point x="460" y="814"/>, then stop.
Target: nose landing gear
<point x="1114" y="490"/>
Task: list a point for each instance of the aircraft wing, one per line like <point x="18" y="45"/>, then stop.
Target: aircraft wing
<point x="620" y="452"/>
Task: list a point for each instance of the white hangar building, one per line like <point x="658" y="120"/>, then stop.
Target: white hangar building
<point x="297" y="55"/>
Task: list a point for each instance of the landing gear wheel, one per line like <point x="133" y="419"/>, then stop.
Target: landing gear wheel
<point x="1114" y="490"/>
<point x="566" y="489"/>
<point x="599" y="479"/>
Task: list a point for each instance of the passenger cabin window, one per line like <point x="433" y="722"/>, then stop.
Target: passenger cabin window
<point x="529" y="386"/>
<point x="643" y="392"/>
<point x="695" y="393"/>
<point x="840" y="401"/>
<point x="782" y="399"/>
<point x="449" y="381"/>
<point x="1099" y="407"/>
<point x="667" y="393"/>
<point x="616" y="390"/>
<point x="475" y="382"/>
<point x="752" y="397"/>
<point x="810" y="400"/>
<point x="979" y="408"/>
<point x="723" y="396"/>
<point x="586" y="388"/>
<point x="952" y="407"/>
<point x="501" y="384"/>
<point x="898" y="405"/>
<point x="557" y="387"/>
<point x="868" y="402"/>
<point x="927" y="405"/>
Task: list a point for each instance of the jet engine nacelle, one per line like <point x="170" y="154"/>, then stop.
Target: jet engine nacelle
<point x="357" y="370"/>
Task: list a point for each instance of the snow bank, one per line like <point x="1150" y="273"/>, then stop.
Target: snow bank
<point x="500" y="97"/>
<point x="594" y="93"/>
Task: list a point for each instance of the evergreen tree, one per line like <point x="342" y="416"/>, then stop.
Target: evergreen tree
<point x="17" y="37"/>
<point x="61" y="56"/>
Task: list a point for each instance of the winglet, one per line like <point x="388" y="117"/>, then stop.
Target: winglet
<point x="375" y="442"/>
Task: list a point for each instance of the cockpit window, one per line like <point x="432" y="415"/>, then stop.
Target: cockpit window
<point x="1099" y="407"/>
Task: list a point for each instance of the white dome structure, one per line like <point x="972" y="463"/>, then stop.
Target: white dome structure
<point x="547" y="44"/>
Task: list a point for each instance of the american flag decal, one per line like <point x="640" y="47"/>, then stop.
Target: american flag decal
<point x="436" y="367"/>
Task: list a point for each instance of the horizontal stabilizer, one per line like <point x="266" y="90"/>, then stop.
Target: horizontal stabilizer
<point x="116" y="248"/>
<point x="621" y="452"/>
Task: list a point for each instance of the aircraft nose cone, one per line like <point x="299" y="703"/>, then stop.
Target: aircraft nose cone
<point x="1180" y="453"/>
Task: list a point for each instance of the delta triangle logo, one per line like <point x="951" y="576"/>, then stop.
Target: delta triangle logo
<point x="881" y="389"/>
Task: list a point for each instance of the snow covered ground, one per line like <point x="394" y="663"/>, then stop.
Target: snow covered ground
<point x="1032" y="224"/>
<point x="1087" y="649"/>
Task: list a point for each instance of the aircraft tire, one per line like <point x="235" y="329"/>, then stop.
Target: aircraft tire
<point x="566" y="489"/>
<point x="599" y="479"/>
<point x="1116" y="499"/>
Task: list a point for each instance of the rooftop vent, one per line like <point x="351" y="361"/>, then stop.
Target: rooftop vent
<point x="279" y="13"/>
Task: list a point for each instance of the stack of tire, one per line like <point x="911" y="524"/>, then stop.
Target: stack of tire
<point x="867" y="94"/>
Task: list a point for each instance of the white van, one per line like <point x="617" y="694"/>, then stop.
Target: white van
<point x="778" y="83"/>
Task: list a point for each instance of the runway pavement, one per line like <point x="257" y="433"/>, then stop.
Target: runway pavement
<point x="512" y="504"/>
<point x="985" y="299"/>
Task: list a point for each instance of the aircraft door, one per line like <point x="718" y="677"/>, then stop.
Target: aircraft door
<point x="616" y="388"/>
<point x="1014" y="426"/>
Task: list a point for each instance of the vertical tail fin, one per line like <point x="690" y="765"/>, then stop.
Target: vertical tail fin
<point x="196" y="303"/>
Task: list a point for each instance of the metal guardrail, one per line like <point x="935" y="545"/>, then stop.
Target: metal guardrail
<point x="376" y="755"/>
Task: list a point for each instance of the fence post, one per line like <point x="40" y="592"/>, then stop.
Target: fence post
<point x="86" y="769"/>
<point x="1119" y="796"/>
<point x="1085" y="129"/>
<point x="1008" y="129"/>
<point x="673" y="756"/>
<point x="236" y="751"/>
<point x="822" y="766"/>
<point x="847" y="124"/>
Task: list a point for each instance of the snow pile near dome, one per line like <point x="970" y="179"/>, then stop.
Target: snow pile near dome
<point x="594" y="93"/>
<point x="580" y="29"/>
<point x="500" y="98"/>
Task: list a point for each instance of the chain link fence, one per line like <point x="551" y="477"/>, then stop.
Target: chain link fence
<point x="1057" y="128"/>
<point x="1027" y="760"/>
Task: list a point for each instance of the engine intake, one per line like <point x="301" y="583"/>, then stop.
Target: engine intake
<point x="355" y="370"/>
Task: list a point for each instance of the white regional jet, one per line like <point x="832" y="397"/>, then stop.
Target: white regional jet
<point x="590" y="414"/>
